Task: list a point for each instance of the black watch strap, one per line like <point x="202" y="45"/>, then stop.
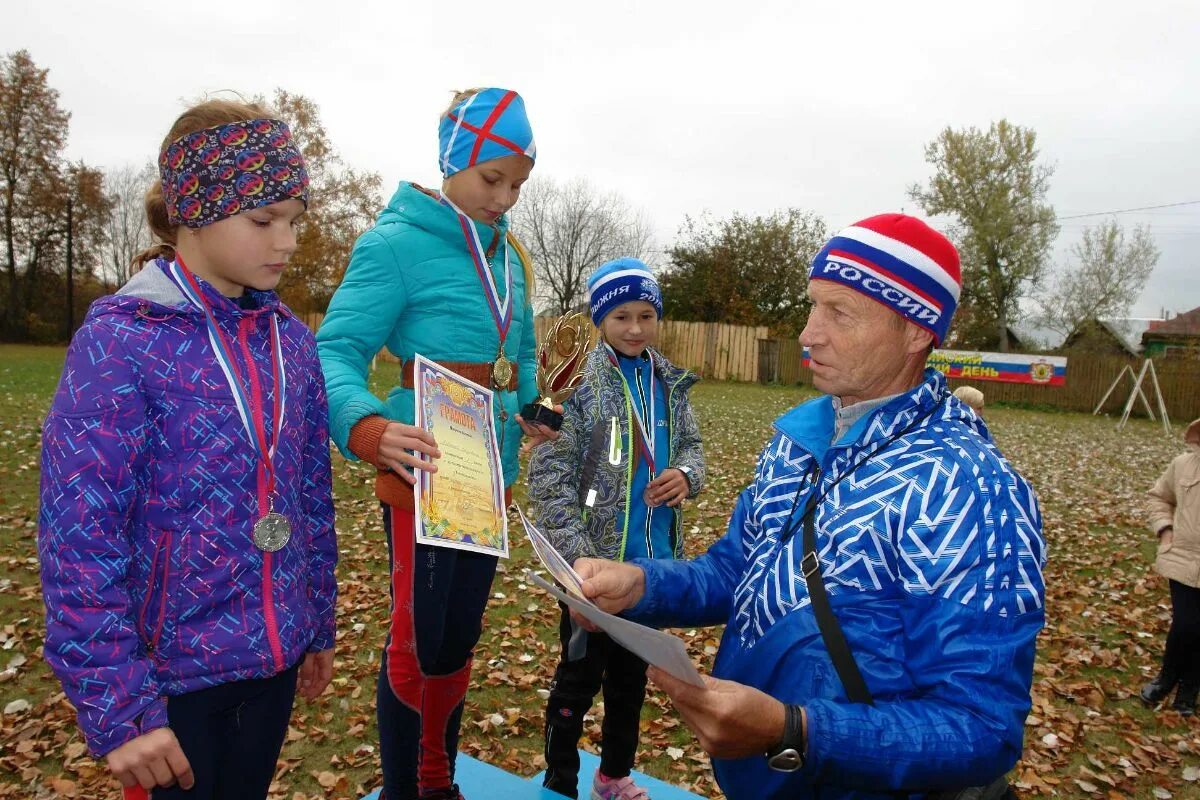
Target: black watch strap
<point x="788" y="755"/>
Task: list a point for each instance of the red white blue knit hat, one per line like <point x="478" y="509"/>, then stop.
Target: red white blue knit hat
<point x="898" y="261"/>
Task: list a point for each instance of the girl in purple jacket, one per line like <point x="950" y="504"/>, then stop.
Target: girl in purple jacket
<point x="186" y="528"/>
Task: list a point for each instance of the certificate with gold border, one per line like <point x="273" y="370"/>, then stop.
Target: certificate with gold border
<point x="462" y="504"/>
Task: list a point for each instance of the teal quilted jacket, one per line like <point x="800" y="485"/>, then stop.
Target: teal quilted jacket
<point x="411" y="286"/>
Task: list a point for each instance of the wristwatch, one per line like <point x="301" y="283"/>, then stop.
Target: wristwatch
<point x="687" y="472"/>
<point x="788" y="755"/>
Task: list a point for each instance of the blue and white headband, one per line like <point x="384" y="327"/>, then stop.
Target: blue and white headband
<point x="489" y="124"/>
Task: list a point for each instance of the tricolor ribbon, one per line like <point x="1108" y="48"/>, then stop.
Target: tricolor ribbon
<point x="645" y="435"/>
<point x="250" y="413"/>
<point x="501" y="307"/>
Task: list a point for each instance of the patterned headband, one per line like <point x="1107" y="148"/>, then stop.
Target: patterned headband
<point x="221" y="171"/>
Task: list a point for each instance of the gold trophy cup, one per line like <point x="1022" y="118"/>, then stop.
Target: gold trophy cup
<point x="560" y="362"/>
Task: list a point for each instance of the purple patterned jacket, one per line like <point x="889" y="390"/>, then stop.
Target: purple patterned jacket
<point x="153" y="585"/>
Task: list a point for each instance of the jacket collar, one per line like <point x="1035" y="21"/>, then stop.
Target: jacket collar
<point x="153" y="284"/>
<point x="673" y="377"/>
<point x="811" y="424"/>
<point x="420" y="207"/>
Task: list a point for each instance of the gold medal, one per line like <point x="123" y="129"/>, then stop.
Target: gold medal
<point x="272" y="532"/>
<point x="502" y="371"/>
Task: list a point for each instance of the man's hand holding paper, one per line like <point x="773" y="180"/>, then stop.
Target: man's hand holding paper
<point x="617" y="589"/>
<point x="612" y="585"/>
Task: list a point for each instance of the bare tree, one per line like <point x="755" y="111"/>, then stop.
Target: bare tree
<point x="572" y="228"/>
<point x="128" y="232"/>
<point x="1109" y="273"/>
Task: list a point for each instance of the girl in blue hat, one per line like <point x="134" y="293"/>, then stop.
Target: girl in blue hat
<point x="630" y="421"/>
<point x="439" y="274"/>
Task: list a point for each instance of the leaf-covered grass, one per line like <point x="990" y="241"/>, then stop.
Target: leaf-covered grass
<point x="1086" y="737"/>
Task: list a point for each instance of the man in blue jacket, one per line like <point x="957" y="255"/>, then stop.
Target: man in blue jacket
<point x="927" y="542"/>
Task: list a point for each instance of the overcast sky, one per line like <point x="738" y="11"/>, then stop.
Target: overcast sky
<point x="682" y="107"/>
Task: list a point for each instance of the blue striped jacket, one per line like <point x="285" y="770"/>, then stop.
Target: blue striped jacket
<point x="931" y="552"/>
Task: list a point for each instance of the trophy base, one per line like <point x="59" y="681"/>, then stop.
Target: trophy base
<point x="538" y="414"/>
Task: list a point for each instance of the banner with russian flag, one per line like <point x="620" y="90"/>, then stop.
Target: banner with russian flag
<point x="1003" y="367"/>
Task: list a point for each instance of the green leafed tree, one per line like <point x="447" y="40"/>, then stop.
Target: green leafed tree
<point x="744" y="270"/>
<point x="992" y="186"/>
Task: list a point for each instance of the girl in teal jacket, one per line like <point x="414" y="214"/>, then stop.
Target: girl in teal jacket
<point x="439" y="275"/>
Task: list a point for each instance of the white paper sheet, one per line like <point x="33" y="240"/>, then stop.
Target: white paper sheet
<point x="551" y="559"/>
<point x="655" y="647"/>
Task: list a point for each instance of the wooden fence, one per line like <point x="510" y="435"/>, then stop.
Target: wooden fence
<point x="738" y="353"/>
<point x="1088" y="378"/>
<point x="715" y="351"/>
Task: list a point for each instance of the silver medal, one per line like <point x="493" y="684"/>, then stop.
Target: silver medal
<point x="272" y="532"/>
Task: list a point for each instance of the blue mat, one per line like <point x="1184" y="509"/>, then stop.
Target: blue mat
<point x="480" y="781"/>
<point x="588" y="764"/>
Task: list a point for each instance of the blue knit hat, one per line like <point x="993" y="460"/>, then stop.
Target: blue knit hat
<point x="624" y="280"/>
<point x="489" y="124"/>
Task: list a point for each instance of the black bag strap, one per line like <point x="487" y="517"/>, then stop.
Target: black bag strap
<point x="810" y="565"/>
<point x="847" y="667"/>
<point x="831" y="631"/>
<point x="587" y="472"/>
<point x="839" y="649"/>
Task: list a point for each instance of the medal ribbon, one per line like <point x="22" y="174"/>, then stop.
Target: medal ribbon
<point x="250" y="413"/>
<point x="645" y="435"/>
<point x="500" y="307"/>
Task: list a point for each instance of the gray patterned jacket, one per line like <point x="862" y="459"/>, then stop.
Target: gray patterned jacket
<point x="554" y="467"/>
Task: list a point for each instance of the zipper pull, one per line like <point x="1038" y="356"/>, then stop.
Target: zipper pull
<point x="614" y="444"/>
